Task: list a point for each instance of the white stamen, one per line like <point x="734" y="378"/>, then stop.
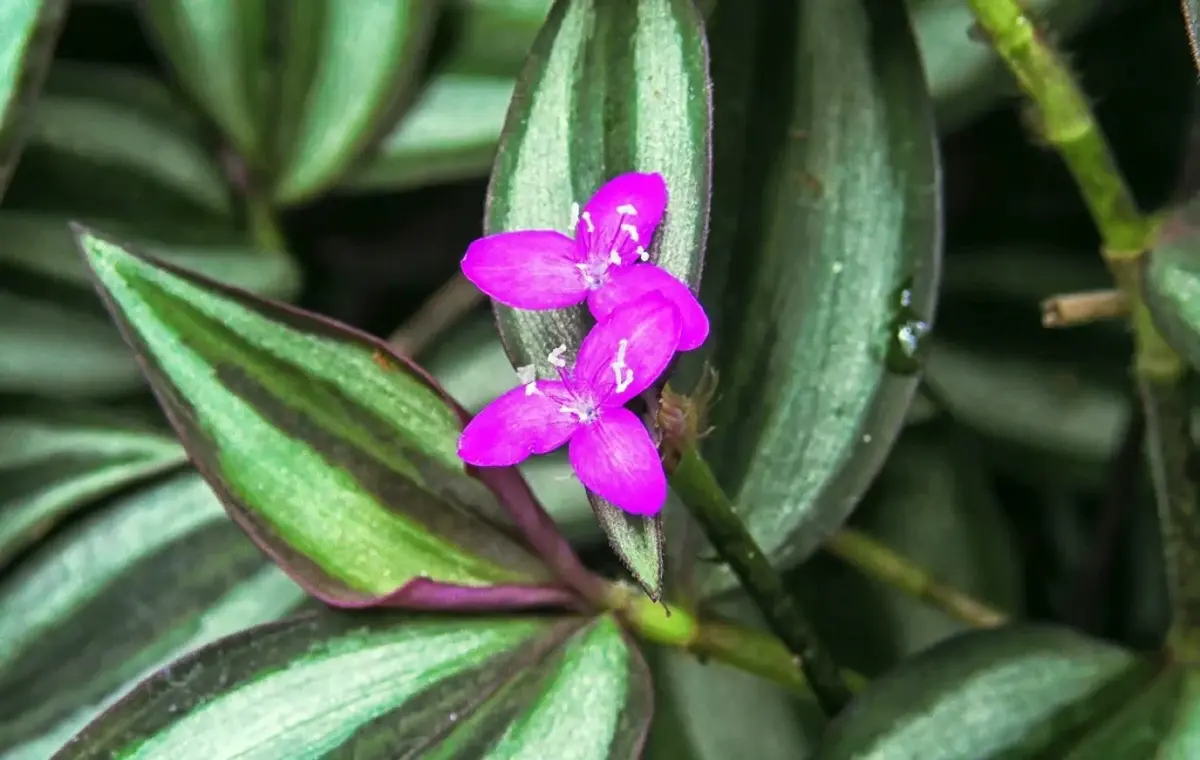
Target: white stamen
<point x="614" y="257"/>
<point x="573" y="412"/>
<point x="586" y="216"/>
<point x="527" y="374"/>
<point x="531" y="388"/>
<point x="556" y="357"/>
<point x="643" y="254"/>
<point x="627" y="209"/>
<point x="631" y="231"/>
<point x="625" y="379"/>
<point x="574" y="214"/>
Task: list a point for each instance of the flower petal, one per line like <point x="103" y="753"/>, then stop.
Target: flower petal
<point x="630" y="283"/>
<point x="616" y="459"/>
<point x="518" y="424"/>
<point x="622" y="216"/>
<point x="626" y="352"/>
<point x="535" y="269"/>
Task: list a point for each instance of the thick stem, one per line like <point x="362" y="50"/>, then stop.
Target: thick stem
<point x="697" y="487"/>
<point x="878" y="561"/>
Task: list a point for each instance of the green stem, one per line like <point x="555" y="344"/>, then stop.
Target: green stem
<point x="696" y="485"/>
<point x="880" y="562"/>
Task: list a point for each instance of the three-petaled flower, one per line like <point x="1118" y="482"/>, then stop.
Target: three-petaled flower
<point x="545" y="269"/>
<point x="610" y="449"/>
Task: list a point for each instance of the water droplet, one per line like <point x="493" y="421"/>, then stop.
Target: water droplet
<point x="907" y="332"/>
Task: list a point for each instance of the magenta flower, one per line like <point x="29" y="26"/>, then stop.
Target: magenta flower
<point x="610" y="449"/>
<point x="545" y="269"/>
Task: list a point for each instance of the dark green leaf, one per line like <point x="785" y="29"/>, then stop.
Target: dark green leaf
<point x="817" y="311"/>
<point x="112" y="141"/>
<point x="637" y="541"/>
<point x="343" y="69"/>
<point x="338" y="459"/>
<point x="28" y="32"/>
<point x="55" y="332"/>
<point x="449" y="134"/>
<point x="338" y="685"/>
<point x="217" y="49"/>
<point x="965" y="74"/>
<point x="117" y="595"/>
<point x="610" y="87"/>
<point x="492" y="37"/>
<point x="1172" y="282"/>
<point x="52" y="462"/>
<point x="1011" y="693"/>
<point x="933" y="504"/>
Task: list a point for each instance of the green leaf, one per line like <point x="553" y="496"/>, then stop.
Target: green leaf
<point x="637" y="541"/>
<point x="492" y="37"/>
<point x="1191" y="15"/>
<point x="28" y="32"/>
<point x="450" y="134"/>
<point x="610" y="87"/>
<point x="115" y="596"/>
<point x="338" y="685"/>
<point x="216" y="49"/>
<point x="815" y="366"/>
<point x="62" y="342"/>
<point x="966" y="76"/>
<point x="338" y="459"/>
<point x="55" y="461"/>
<point x="1171" y="284"/>
<point x="1011" y="693"/>
<point x="933" y="503"/>
<point x="344" y="68"/>
<point x="111" y="141"/>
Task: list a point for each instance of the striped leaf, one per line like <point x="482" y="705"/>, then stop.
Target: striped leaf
<point x="341" y="685"/>
<point x="28" y="32"/>
<point x="492" y="37"/>
<point x="55" y="338"/>
<point x="339" y="459"/>
<point x="54" y="461"/>
<point x="610" y="86"/>
<point x="838" y="252"/>
<point x="116" y="595"/>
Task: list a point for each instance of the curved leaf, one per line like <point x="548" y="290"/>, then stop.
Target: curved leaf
<point x="55" y="338"/>
<point x="343" y="68"/>
<point x="217" y="49"/>
<point x="53" y="462"/>
<point x="106" y="140"/>
<point x="830" y="290"/>
<point x="28" y="32"/>
<point x="337" y="685"/>
<point x="492" y="37"/>
<point x="610" y="87"/>
<point x="338" y="458"/>
<point x="450" y="133"/>
<point x="1010" y="692"/>
<point x="117" y="595"/>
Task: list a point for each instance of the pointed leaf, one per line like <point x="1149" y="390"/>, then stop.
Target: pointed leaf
<point x="492" y="37"/>
<point x="216" y="49"/>
<point x="108" y="140"/>
<point x="1011" y="692"/>
<point x="637" y="541"/>
<point x="55" y="338"/>
<point x="387" y="687"/>
<point x="829" y="290"/>
<point x="450" y="134"/>
<point x="335" y="456"/>
<point x="609" y="87"/>
<point x="53" y="462"/>
<point x="28" y="32"/>
<point x="344" y="68"/>
<point x="115" y="596"/>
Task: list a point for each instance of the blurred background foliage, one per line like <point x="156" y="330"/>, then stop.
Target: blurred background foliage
<point x="1019" y="477"/>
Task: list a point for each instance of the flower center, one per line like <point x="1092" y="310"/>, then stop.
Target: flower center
<point x="602" y="255"/>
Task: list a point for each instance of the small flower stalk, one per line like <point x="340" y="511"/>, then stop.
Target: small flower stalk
<point x="644" y="316"/>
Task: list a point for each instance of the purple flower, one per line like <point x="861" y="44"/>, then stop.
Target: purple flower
<point x="545" y="269"/>
<point x="610" y="449"/>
